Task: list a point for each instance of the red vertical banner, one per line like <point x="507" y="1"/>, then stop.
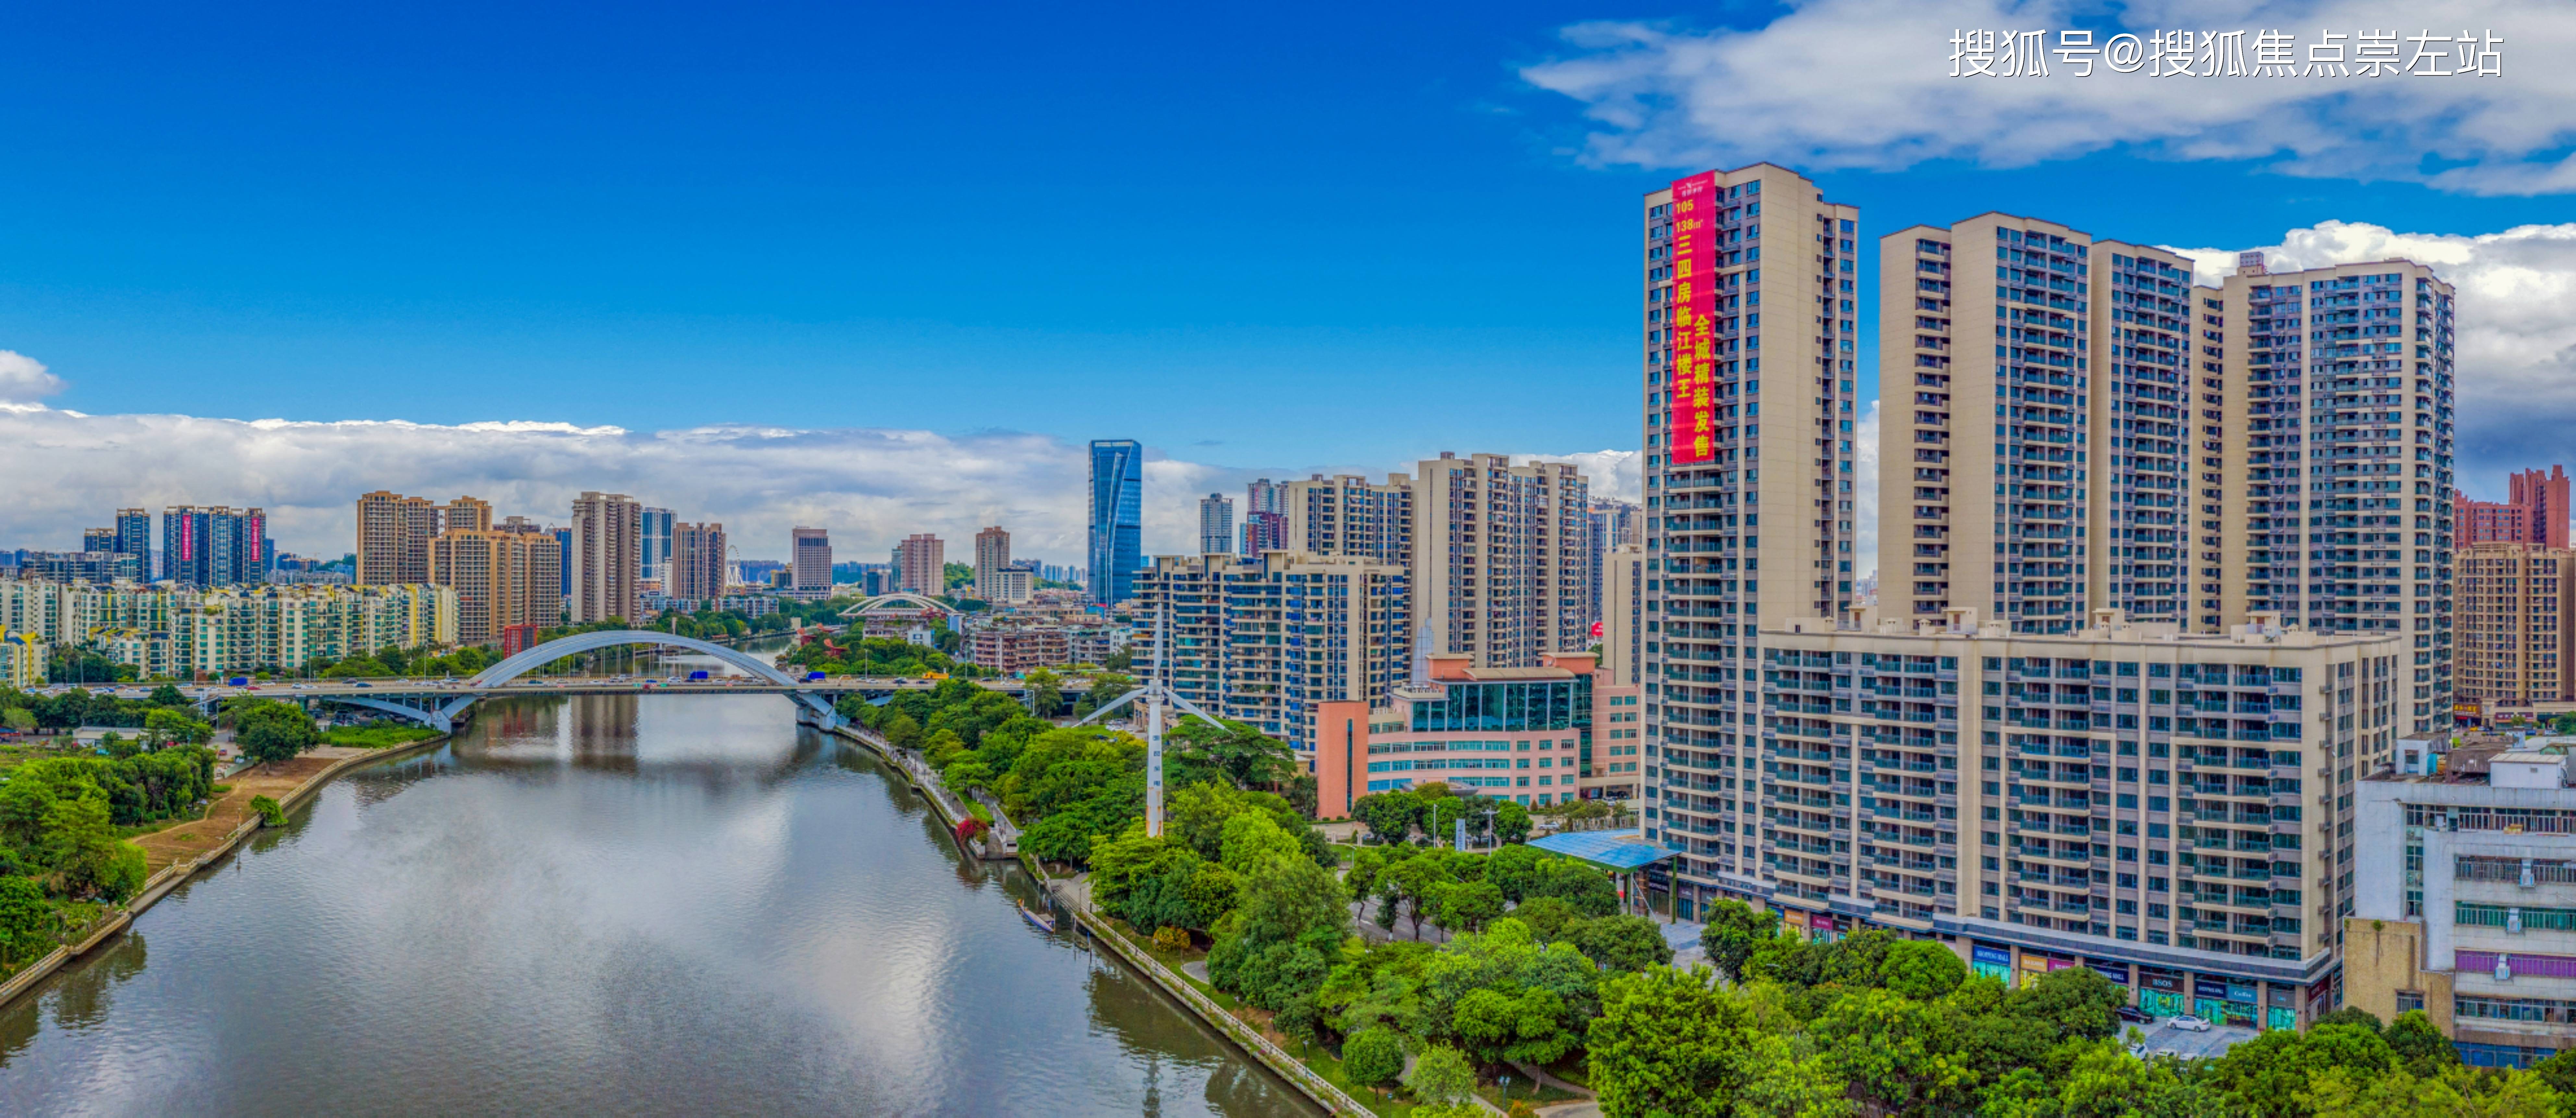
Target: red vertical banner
<point x="1692" y="422"/>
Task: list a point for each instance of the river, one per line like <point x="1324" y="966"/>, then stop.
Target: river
<point x="668" y="904"/>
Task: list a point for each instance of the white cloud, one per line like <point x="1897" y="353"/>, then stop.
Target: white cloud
<point x="871" y="487"/>
<point x="24" y="379"/>
<point x="2516" y="368"/>
<point x="1865" y="463"/>
<point x="1865" y="84"/>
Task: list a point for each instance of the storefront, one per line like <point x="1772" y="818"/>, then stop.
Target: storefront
<point x="1818" y="927"/>
<point x="2113" y="969"/>
<point x="1992" y="960"/>
<point x="2160" y="992"/>
<point x="2224" y="1001"/>
<point x="2280" y="1013"/>
<point x="2037" y="963"/>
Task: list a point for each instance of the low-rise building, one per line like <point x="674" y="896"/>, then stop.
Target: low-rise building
<point x="1534" y="735"/>
<point x="2466" y="905"/>
<point x="1012" y="648"/>
<point x="174" y="630"/>
<point x="22" y="660"/>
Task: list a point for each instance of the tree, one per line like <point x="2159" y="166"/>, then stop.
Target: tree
<point x="166" y="695"/>
<point x="2456" y="1093"/>
<point x="2079" y="1001"/>
<point x="1921" y="970"/>
<point x="2265" y="1075"/>
<point x="2349" y="1015"/>
<point x="269" y="731"/>
<point x="25" y="919"/>
<point x="1517" y="1023"/>
<point x="166" y="727"/>
<point x="1898" y="1055"/>
<point x="1389" y="816"/>
<point x="1668" y="1043"/>
<point x="1046" y="692"/>
<point x="19" y="719"/>
<point x="2420" y="1047"/>
<point x="1511" y="822"/>
<point x="1620" y="943"/>
<point x="1240" y="752"/>
<point x="1373" y="1056"/>
<point x="1465" y="906"/>
<point x="1441" y="1076"/>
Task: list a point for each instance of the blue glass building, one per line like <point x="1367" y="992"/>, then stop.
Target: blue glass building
<point x="1117" y="518"/>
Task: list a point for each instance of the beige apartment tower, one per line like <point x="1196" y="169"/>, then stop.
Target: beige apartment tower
<point x="393" y="538"/>
<point x="501" y="579"/>
<point x="993" y="581"/>
<point x="809" y="560"/>
<point x="2517" y="626"/>
<point x="472" y="514"/>
<point x="2337" y="496"/>
<point x="1499" y="567"/>
<point x="1749" y="314"/>
<point x="921" y="564"/>
<point x="1623" y="615"/>
<point x="698" y="555"/>
<point x="2065" y="472"/>
<point x="1349" y="515"/>
<point x="607" y="542"/>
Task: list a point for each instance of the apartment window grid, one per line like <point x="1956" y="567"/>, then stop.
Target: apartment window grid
<point x="2088" y="812"/>
<point x="1704" y="575"/>
<point x="2351" y="467"/>
<point x="2155" y="483"/>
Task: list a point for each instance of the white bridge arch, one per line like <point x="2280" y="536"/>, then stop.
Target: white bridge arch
<point x="433" y="712"/>
<point x="898" y="604"/>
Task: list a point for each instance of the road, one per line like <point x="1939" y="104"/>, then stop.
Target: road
<point x="552" y="685"/>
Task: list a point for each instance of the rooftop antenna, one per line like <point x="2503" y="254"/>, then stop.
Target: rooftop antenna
<point x="1156" y="692"/>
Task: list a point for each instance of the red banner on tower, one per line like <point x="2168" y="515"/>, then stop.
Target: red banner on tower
<point x="1692" y="424"/>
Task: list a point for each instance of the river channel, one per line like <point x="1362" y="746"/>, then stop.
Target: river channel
<point x="673" y="904"/>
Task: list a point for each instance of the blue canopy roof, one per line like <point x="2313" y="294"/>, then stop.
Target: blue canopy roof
<point x="1619" y="850"/>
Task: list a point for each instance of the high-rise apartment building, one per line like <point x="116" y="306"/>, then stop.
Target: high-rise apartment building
<point x="1750" y="317"/>
<point x="655" y="546"/>
<point x="1265" y="495"/>
<point x="393" y="538"/>
<point x="134" y="537"/>
<point x="921" y="565"/>
<point x="2534" y="512"/>
<point x="698" y="561"/>
<point x="1623" y="615"/>
<point x="1216" y="524"/>
<point x="467" y="514"/>
<point x="1499" y="571"/>
<point x="1268" y="641"/>
<point x="501" y="579"/>
<point x="2517" y="626"/>
<point x="1117" y="543"/>
<point x="1350" y="515"/>
<point x="213" y="547"/>
<point x="606" y="557"/>
<point x="99" y="540"/>
<point x="2344" y="495"/>
<point x="810" y="559"/>
<point x="993" y="569"/>
<point x="2173" y="809"/>
<point x="2086" y="496"/>
<point x="1612" y="524"/>
<point x="1264" y="531"/>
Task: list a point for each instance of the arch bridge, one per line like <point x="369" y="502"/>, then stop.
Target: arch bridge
<point x="440" y="708"/>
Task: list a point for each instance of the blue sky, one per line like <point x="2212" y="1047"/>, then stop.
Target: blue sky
<point x="1256" y="238"/>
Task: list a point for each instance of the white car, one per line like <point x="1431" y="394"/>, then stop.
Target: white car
<point x="2189" y="1024"/>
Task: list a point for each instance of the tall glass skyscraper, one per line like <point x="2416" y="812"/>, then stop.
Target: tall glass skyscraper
<point x="656" y="560"/>
<point x="1117" y="518"/>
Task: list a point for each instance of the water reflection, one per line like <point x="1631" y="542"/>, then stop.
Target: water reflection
<point x="664" y="904"/>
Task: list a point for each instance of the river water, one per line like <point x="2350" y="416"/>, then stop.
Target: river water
<point x="674" y="904"/>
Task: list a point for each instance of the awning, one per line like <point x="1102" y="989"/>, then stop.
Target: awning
<point x="1619" y="850"/>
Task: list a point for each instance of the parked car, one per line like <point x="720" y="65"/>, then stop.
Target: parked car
<point x="2132" y="1014"/>
<point x="2189" y="1024"/>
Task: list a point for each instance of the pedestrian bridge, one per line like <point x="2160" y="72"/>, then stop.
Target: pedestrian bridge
<point x="438" y="703"/>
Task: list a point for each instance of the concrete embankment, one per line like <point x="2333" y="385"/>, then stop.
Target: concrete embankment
<point x="176" y="872"/>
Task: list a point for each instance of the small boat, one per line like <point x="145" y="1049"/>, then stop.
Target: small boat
<point x="1044" y="921"/>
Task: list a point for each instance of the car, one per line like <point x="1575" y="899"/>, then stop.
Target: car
<point x="2189" y="1024"/>
<point x="364" y="683"/>
<point x="2132" y="1014"/>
